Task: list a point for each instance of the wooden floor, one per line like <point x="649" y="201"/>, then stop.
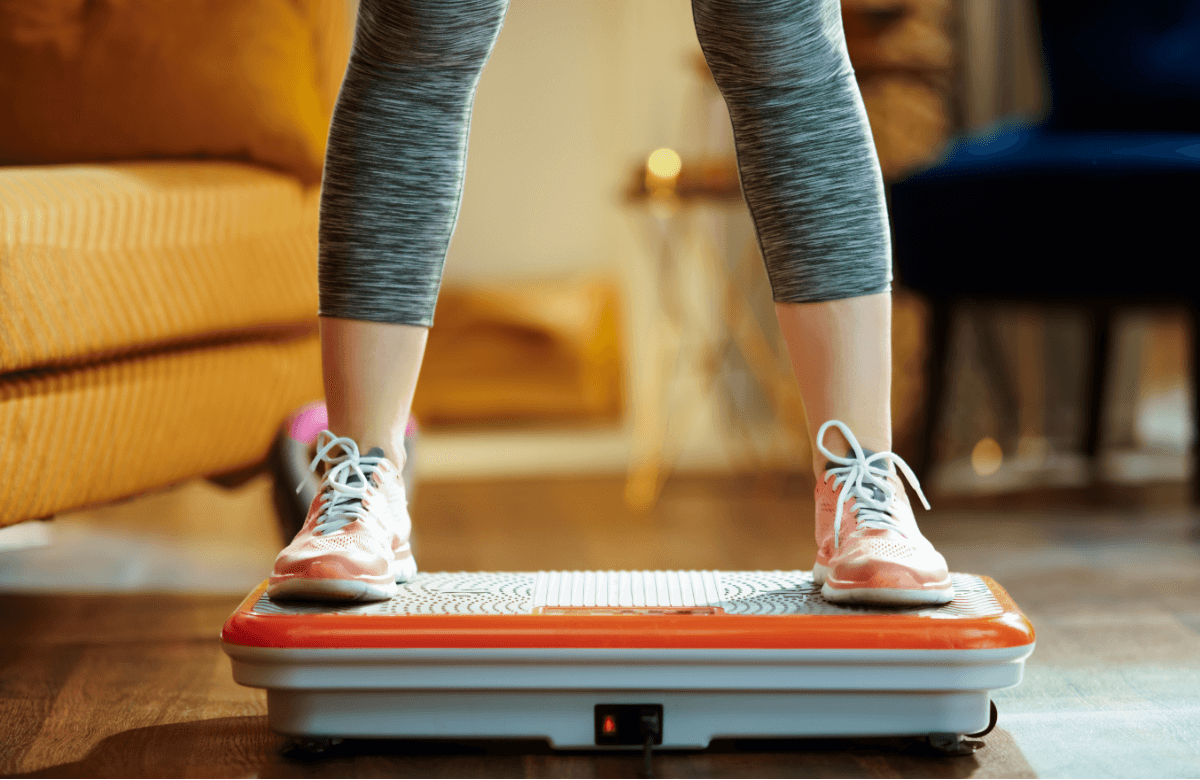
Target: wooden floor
<point x="137" y="686"/>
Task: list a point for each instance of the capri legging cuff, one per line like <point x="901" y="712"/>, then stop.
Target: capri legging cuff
<point x="816" y="199"/>
<point x="397" y="154"/>
<point x="806" y="157"/>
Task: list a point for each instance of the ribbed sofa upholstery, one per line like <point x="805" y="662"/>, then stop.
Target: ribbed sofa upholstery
<point x="158" y="318"/>
<point x="157" y="322"/>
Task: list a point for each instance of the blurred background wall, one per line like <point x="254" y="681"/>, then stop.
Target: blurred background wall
<point x="576" y="95"/>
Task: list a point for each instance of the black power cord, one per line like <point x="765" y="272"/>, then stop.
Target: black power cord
<point x="650" y="726"/>
<point x="995" y="715"/>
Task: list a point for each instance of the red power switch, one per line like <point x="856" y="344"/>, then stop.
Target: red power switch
<point x="628" y="724"/>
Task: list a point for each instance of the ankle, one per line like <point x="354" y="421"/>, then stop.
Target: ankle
<point x="392" y="450"/>
<point x="387" y="437"/>
<point x="821" y="465"/>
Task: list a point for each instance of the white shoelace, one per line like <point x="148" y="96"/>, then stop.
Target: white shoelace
<point x="860" y="477"/>
<point x="339" y="512"/>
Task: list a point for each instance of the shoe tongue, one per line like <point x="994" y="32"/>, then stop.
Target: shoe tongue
<point x="877" y="493"/>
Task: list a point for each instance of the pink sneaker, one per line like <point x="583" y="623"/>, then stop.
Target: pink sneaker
<point x="354" y="544"/>
<point x="869" y="548"/>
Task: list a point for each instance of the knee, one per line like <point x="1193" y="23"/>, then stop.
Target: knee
<point x="428" y="33"/>
<point x="771" y="42"/>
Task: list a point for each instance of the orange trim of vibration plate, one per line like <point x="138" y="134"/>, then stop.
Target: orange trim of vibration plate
<point x="708" y="631"/>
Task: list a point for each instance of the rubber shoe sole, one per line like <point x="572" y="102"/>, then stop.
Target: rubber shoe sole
<point x="306" y="589"/>
<point x="899" y="597"/>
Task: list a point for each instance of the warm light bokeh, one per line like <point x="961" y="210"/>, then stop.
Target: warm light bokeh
<point x="986" y="457"/>
<point x="664" y="163"/>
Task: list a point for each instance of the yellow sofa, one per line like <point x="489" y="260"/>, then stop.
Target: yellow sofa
<point x="157" y="316"/>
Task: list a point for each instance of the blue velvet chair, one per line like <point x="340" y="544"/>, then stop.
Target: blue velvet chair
<point x="1096" y="206"/>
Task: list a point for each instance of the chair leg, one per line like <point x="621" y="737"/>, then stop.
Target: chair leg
<point x="999" y="376"/>
<point x="1101" y="338"/>
<point x="1194" y="328"/>
<point x="936" y="374"/>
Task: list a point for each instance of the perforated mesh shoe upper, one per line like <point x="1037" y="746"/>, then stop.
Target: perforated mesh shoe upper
<point x="868" y="545"/>
<point x="354" y="544"/>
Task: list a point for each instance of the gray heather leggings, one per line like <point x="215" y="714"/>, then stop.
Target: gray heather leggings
<point x="398" y="149"/>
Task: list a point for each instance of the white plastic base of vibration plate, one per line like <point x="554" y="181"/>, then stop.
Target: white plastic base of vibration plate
<point x="483" y="692"/>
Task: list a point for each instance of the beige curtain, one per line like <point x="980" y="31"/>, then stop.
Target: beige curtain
<point x="1001" y="73"/>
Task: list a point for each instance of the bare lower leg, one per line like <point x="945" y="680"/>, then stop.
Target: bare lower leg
<point x="371" y="371"/>
<point x="841" y="354"/>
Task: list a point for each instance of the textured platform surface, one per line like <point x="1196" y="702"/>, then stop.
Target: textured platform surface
<point x="631" y="592"/>
<point x="630" y="609"/>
